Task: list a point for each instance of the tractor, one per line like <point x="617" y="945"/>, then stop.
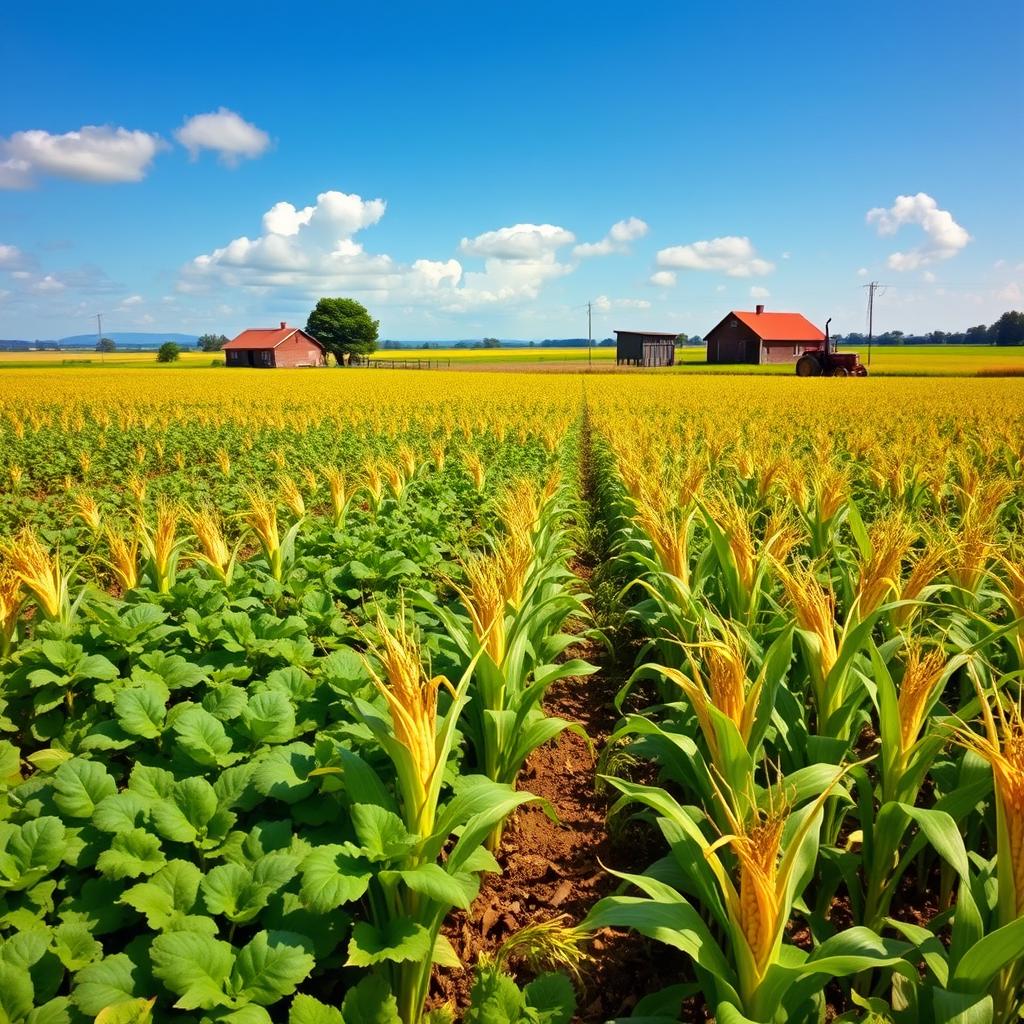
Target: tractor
<point x="827" y="362"/>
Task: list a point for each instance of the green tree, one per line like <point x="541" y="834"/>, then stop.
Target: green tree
<point x="681" y="339"/>
<point x="169" y="352"/>
<point x="106" y="345"/>
<point x="343" y="327"/>
<point x="211" y="342"/>
<point x="1008" y="329"/>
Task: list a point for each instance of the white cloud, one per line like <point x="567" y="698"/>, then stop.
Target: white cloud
<point x="1011" y="293"/>
<point x="95" y="153"/>
<point x="786" y="255"/>
<point x="11" y="257"/>
<point x="603" y="304"/>
<point x="759" y="293"/>
<point x="730" y="255"/>
<point x="226" y="133"/>
<point x="619" y="236"/>
<point x="311" y="251"/>
<point x="663" y="278"/>
<point x="928" y="277"/>
<point x="944" y="237"/>
<point x="863" y="272"/>
<point x="519" y="242"/>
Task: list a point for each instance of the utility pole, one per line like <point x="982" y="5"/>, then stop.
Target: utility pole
<point x="590" y="340"/>
<point x="99" y="336"/>
<point x="872" y="288"/>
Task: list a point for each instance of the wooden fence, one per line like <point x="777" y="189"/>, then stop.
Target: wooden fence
<point x="401" y="364"/>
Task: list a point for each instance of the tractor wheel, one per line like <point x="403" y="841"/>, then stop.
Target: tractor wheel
<point x="808" y="366"/>
<point x="862" y="371"/>
<point x="840" y="371"/>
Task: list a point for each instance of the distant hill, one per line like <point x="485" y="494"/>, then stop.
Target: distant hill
<point x="131" y="339"/>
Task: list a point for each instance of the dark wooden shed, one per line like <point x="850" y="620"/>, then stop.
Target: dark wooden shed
<point x="645" y="348"/>
<point x="759" y="337"/>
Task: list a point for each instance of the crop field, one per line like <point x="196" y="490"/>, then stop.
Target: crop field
<point x="886" y="361"/>
<point x="391" y="697"/>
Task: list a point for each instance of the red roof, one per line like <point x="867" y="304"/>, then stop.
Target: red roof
<point x="267" y="337"/>
<point x="780" y="326"/>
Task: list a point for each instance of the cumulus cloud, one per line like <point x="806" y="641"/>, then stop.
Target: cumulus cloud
<point x="944" y="238"/>
<point x="95" y="153"/>
<point x="308" y="251"/>
<point x="731" y="255"/>
<point x="759" y="293"/>
<point x="619" y="236"/>
<point x="663" y="278"/>
<point x="603" y="304"/>
<point x="518" y="242"/>
<point x="226" y="133"/>
<point x="11" y="257"/>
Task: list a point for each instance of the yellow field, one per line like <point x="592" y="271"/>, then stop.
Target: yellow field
<point x="931" y="361"/>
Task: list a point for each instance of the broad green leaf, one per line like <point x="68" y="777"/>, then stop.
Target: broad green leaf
<point x="270" y="967"/>
<point x="195" y="967"/>
<point x="381" y="833"/>
<point x="398" y="940"/>
<point x="331" y="877"/>
<point x="370" y="1002"/>
<point x="269" y="718"/>
<point x="140" y="712"/>
<point x="131" y="1011"/>
<point x="307" y="1010"/>
<point x="54" y="1011"/>
<point x="171" y="891"/>
<point x="229" y="889"/>
<point x="432" y="881"/>
<point x="131" y="854"/>
<point x="79" y="785"/>
<point x="203" y="738"/>
<point x="120" y="812"/>
<point x="16" y="993"/>
<point x="112" y="980"/>
<point x="74" y="945"/>
<point x="185" y="816"/>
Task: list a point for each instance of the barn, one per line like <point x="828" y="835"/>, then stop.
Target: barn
<point x="275" y="347"/>
<point x="760" y="337"/>
<point x="645" y="348"/>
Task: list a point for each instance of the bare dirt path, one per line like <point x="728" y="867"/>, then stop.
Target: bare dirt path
<point x="555" y="868"/>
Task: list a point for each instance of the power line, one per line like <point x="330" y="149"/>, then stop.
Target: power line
<point x="873" y="287"/>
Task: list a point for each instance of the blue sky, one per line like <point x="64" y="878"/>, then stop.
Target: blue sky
<point x="465" y="169"/>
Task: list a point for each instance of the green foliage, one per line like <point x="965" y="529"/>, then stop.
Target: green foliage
<point x="211" y="342"/>
<point x="343" y="327"/>
<point x="168" y="352"/>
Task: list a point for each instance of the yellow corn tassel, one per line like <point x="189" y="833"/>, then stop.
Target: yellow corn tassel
<point x="207" y="527"/>
<point x="38" y="571"/>
<point x="1002" y="746"/>
<point x="411" y="696"/>
<point x="124" y="559"/>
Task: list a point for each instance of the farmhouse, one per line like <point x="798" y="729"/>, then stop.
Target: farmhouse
<point x="645" y="348"/>
<point x="761" y="337"/>
<point x="274" y="347"/>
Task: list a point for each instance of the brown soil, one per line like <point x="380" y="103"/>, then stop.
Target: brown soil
<point x="555" y="868"/>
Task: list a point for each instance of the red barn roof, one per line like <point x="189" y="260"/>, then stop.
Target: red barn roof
<point x="779" y="326"/>
<point x="267" y="337"/>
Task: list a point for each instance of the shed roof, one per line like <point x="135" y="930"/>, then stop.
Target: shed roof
<point x="779" y="326"/>
<point x="267" y="337"/>
<point x="651" y="334"/>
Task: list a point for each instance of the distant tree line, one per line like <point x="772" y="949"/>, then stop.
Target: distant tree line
<point x="211" y="342"/>
<point x="1007" y="330"/>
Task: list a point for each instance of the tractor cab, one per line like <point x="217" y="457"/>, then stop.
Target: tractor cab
<point x="826" y="362"/>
